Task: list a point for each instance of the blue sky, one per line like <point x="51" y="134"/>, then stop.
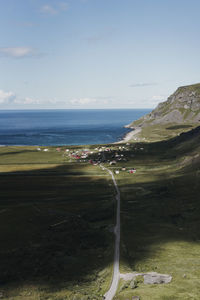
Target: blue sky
<point x="96" y="53"/>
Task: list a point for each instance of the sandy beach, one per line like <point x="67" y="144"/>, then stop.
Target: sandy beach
<point x="129" y="136"/>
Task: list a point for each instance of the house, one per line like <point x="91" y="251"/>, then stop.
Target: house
<point x="131" y="171"/>
<point x="45" y="150"/>
<point x="113" y="162"/>
<point x="123" y="169"/>
<point x="58" y="149"/>
<point x="117" y="172"/>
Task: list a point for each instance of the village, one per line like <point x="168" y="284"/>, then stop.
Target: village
<point x="112" y="155"/>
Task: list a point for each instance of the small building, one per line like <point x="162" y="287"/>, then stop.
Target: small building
<point x="116" y="171"/>
<point x="131" y="171"/>
<point x="113" y="162"/>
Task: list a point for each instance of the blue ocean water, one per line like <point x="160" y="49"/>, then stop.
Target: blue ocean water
<point x="65" y="127"/>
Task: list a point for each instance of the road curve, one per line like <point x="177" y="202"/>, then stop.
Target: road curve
<point x="115" y="279"/>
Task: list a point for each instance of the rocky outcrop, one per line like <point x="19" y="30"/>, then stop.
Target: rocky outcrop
<point x="155" y="278"/>
<point x="149" y="278"/>
<point x="183" y="107"/>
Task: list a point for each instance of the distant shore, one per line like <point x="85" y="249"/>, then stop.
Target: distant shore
<point x="129" y="136"/>
<point x="68" y="127"/>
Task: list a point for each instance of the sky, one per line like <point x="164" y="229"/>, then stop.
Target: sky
<point x="82" y="54"/>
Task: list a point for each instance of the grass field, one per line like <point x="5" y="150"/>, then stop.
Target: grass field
<point x="160" y="210"/>
<point x="57" y="216"/>
<point x="155" y="133"/>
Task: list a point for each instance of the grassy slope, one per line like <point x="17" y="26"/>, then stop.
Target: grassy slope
<point x="155" y="133"/>
<point x="160" y="222"/>
<point x="42" y="261"/>
<point x="158" y="132"/>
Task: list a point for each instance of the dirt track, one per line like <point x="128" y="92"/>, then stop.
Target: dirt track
<point x="116" y="274"/>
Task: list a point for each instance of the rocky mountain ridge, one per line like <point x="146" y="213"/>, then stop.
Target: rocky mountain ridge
<point x="182" y="107"/>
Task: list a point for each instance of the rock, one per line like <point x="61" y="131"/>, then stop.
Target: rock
<point x="155" y="278"/>
<point x="149" y="278"/>
<point x="135" y="298"/>
<point x="133" y="284"/>
<point x="182" y="107"/>
<point x="128" y="276"/>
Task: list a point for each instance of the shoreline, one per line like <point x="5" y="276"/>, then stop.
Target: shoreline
<point x="128" y="136"/>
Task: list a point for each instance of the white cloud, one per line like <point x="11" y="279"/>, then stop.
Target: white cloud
<point x="26" y="101"/>
<point x="143" y="84"/>
<point x="48" y="9"/>
<point x="18" y="52"/>
<point x="155" y="100"/>
<point x="83" y="101"/>
<point x="158" y="98"/>
<point x="53" y="10"/>
<point x="6" y="97"/>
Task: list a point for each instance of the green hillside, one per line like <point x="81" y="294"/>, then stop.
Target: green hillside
<point x="57" y="217"/>
<point x="180" y="112"/>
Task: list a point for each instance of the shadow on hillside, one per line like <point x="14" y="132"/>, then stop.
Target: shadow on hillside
<point x="54" y="226"/>
<point x="15" y="152"/>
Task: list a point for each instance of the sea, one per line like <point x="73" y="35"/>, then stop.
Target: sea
<point x="65" y="127"/>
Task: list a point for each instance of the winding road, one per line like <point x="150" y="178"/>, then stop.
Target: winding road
<point x="116" y="274"/>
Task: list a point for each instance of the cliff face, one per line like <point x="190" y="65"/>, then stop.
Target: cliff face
<point x="182" y="107"/>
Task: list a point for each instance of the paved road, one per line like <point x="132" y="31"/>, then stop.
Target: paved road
<point x="115" y="280"/>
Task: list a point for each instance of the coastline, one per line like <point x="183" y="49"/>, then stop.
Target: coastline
<point x="62" y="128"/>
<point x="129" y="135"/>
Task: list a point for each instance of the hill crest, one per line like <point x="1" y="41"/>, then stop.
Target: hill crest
<point x="182" y="107"/>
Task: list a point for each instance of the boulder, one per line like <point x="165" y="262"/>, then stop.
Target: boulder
<point x="149" y="278"/>
<point x="156" y="278"/>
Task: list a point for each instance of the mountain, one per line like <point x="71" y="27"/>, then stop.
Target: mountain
<point x="182" y="107"/>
